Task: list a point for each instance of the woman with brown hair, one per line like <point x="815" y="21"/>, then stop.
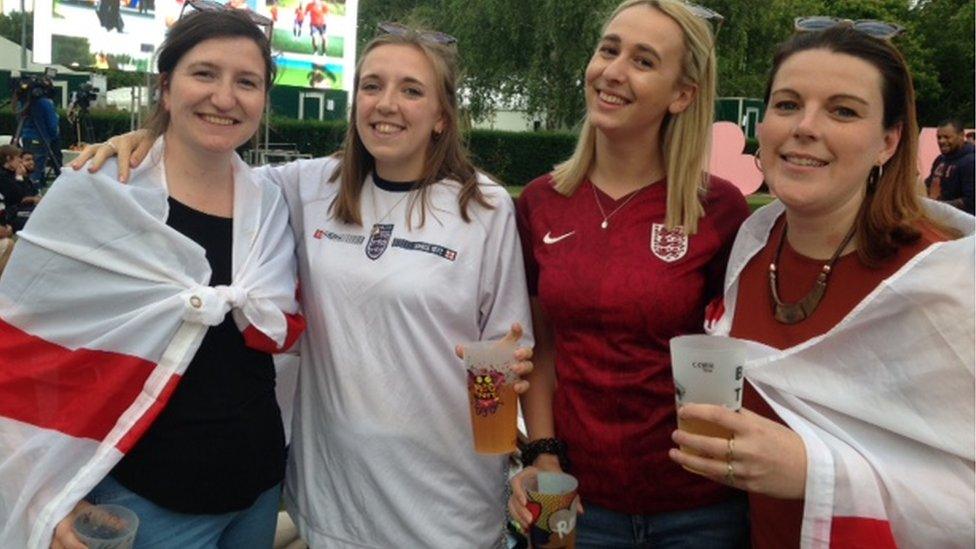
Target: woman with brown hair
<point x="857" y="419"/>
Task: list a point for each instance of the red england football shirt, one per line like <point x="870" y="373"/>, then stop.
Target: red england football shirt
<point x="614" y="298"/>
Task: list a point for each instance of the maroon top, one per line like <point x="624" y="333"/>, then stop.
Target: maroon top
<point x="776" y="523"/>
<point x="614" y="304"/>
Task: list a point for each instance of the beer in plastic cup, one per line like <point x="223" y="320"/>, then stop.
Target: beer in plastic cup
<point x="491" y="397"/>
<point x="106" y="527"/>
<point x="707" y="370"/>
<point x="553" y="502"/>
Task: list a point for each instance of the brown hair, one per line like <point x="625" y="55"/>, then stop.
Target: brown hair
<point x="892" y="211"/>
<point x="446" y="157"/>
<point x="187" y="33"/>
<point x="7" y="152"/>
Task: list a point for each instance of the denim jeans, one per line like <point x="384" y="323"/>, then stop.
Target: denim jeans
<point x="723" y="525"/>
<point x="252" y="528"/>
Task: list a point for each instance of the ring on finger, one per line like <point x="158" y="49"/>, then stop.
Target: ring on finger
<point x="730" y="454"/>
<point x="729" y="473"/>
<point x="111" y="145"/>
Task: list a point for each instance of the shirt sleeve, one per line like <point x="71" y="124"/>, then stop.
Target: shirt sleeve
<point x="524" y="224"/>
<point x="966" y="181"/>
<point x="503" y="297"/>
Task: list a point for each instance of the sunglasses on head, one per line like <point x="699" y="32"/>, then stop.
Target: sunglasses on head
<point x="711" y="16"/>
<point x="436" y="37"/>
<point x="265" y="23"/>
<point x="870" y="27"/>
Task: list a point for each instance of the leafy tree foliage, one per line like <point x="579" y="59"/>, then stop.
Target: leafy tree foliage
<point x="531" y="55"/>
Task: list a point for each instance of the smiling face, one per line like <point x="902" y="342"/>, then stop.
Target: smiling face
<point x="950" y="139"/>
<point x="215" y="95"/>
<point x="823" y="132"/>
<point x="398" y="110"/>
<point x="634" y="78"/>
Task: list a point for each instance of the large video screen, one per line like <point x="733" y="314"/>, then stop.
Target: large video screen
<point x="314" y="40"/>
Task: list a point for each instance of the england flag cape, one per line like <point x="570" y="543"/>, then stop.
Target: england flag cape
<point x="101" y="309"/>
<point x="884" y="401"/>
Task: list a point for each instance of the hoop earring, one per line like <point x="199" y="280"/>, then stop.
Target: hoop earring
<point x="755" y="159"/>
<point x="874" y="176"/>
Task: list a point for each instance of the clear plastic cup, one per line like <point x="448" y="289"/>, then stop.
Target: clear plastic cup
<point x="491" y="396"/>
<point x="107" y="527"/>
<point x="707" y="370"/>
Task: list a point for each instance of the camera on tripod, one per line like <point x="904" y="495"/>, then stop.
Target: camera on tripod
<point x="35" y="86"/>
<point x="83" y="97"/>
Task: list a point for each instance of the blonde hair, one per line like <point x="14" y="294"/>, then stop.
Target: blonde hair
<point x="446" y="157"/>
<point x="685" y="136"/>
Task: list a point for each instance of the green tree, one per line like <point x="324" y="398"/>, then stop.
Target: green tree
<point x="946" y="29"/>
<point x="10" y="27"/>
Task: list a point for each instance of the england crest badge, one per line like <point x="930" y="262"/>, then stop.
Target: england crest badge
<point x="379" y="240"/>
<point x="668" y="245"/>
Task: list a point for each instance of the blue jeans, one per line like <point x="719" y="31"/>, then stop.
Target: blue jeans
<point x="723" y="525"/>
<point x="253" y="527"/>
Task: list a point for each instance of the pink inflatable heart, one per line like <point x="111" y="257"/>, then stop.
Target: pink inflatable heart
<point x="727" y="160"/>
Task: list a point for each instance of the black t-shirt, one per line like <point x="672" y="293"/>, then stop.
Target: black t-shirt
<point x="219" y="443"/>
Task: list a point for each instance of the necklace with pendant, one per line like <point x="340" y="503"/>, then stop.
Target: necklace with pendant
<point x="791" y="313"/>
<point x="376" y="226"/>
<point x="606" y="217"/>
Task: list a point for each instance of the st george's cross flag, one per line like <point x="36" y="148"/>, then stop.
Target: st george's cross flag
<point x="884" y="401"/>
<point x="102" y="308"/>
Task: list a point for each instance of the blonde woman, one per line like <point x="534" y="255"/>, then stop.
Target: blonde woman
<point x="626" y="242"/>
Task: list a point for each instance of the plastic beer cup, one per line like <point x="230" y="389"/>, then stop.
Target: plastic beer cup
<point x="707" y="370"/>
<point x="491" y="397"/>
<point x="106" y="527"/>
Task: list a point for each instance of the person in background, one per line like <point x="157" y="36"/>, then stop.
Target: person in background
<point x="626" y="243"/>
<point x="27" y="160"/>
<point x="952" y="177"/>
<point x="857" y="421"/>
<point x="20" y="197"/>
<point x="41" y="129"/>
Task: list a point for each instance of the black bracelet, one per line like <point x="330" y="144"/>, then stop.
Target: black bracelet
<point x="552" y="446"/>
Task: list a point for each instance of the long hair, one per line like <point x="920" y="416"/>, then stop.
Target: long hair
<point x="685" y="136"/>
<point x="446" y="157"/>
<point x="192" y="29"/>
<point x="891" y="210"/>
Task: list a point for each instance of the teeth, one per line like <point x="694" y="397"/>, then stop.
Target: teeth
<point x="612" y="99"/>
<point x="219" y="120"/>
<point x="383" y="127"/>
<point x="805" y="161"/>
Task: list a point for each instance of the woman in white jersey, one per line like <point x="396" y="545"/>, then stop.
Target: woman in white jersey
<point x="404" y="251"/>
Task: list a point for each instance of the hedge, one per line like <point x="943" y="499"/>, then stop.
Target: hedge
<point x="515" y="158"/>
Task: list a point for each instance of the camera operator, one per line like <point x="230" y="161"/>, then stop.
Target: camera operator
<point x="79" y="114"/>
<point x="39" y="132"/>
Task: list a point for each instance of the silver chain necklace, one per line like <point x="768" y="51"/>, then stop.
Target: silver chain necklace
<point x="376" y="226"/>
<point x="606" y="218"/>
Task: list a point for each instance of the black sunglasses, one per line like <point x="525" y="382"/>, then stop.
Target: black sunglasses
<point x="870" y="27"/>
<point x="436" y="37"/>
<point x="266" y="24"/>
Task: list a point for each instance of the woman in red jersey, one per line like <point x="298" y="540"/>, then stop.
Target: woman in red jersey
<point x="625" y="243"/>
<point x="857" y="426"/>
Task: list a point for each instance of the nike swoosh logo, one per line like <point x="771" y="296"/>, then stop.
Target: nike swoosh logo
<point x="549" y="239"/>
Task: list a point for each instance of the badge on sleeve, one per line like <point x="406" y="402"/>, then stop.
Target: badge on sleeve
<point x="668" y="245"/>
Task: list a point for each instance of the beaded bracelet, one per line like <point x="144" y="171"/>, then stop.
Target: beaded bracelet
<point x="552" y="446"/>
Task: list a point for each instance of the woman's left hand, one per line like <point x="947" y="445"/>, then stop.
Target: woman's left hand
<point x="763" y="456"/>
<point x="523" y="357"/>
